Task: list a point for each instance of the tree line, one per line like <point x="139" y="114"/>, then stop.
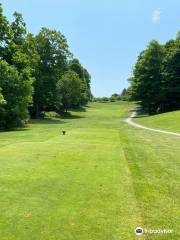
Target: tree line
<point x="38" y="73"/>
<point x="156" y="77"/>
<point x="123" y="96"/>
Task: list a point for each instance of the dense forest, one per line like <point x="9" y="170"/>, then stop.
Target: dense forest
<point x="156" y="77"/>
<point x="37" y="73"/>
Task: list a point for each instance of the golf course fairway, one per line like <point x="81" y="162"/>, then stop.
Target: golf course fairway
<point x="100" y="181"/>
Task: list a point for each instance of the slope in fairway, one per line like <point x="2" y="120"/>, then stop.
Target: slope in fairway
<point x="76" y="186"/>
<point x="99" y="182"/>
<point x="166" y="121"/>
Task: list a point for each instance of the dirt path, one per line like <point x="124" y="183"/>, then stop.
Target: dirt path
<point x="130" y="121"/>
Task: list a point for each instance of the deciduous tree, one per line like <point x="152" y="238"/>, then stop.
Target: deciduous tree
<point x="69" y="91"/>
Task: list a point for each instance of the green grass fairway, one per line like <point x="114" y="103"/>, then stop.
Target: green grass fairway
<point x="166" y="121"/>
<point x="99" y="182"/>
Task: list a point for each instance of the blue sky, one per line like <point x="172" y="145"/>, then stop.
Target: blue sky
<point x="105" y="35"/>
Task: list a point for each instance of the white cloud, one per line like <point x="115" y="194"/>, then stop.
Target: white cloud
<point x="156" y="16"/>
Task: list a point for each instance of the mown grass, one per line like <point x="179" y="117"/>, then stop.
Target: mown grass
<point x="98" y="182"/>
<point x="153" y="159"/>
<point x="166" y="121"/>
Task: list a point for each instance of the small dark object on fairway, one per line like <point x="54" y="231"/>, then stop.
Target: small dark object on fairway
<point x="64" y="132"/>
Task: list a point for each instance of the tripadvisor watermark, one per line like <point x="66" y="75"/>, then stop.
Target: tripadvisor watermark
<point x="139" y="231"/>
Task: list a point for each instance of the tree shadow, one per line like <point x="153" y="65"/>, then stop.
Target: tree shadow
<point x="81" y="109"/>
<point x="141" y="116"/>
<point x="142" y="113"/>
<point x="21" y="129"/>
<point x="139" y="112"/>
<point x="46" y="121"/>
<point x="70" y="116"/>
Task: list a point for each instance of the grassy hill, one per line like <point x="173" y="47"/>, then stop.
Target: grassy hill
<point x="165" y="121"/>
<point x="98" y="182"/>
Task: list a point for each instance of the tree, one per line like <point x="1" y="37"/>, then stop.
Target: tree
<point x="16" y="38"/>
<point x="5" y="33"/>
<point x="18" y="27"/>
<point x="104" y="99"/>
<point x="125" y="95"/>
<point x="30" y="72"/>
<point x="2" y="101"/>
<point x="69" y="91"/>
<point x="124" y="92"/>
<point x="16" y="81"/>
<point x="171" y="75"/>
<point x="147" y="77"/>
<point x="85" y="78"/>
<point x="115" y="97"/>
<point x="75" y="66"/>
<point x="17" y="92"/>
<point x="53" y="52"/>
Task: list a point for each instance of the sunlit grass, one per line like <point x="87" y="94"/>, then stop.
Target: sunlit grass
<point x="98" y="182"/>
<point x="165" y="121"/>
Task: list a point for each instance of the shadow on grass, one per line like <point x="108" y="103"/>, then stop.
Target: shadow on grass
<point x="142" y="113"/>
<point x="88" y="106"/>
<point x="70" y="116"/>
<point x="46" y="121"/>
<point x="81" y="109"/>
<point x="21" y="129"/>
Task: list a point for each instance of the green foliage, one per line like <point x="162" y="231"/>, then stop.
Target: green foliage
<point x="69" y="91"/>
<point x="18" y="27"/>
<point x="124" y="96"/>
<point x="31" y="67"/>
<point x="145" y="85"/>
<point x="115" y="97"/>
<point x="5" y="33"/>
<point x="156" y="77"/>
<point x="101" y="99"/>
<point x="17" y="91"/>
<point x="85" y="78"/>
<point x="147" y="77"/>
<point x="53" y="62"/>
<point x="171" y="75"/>
<point x="2" y="101"/>
<point x="15" y="74"/>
